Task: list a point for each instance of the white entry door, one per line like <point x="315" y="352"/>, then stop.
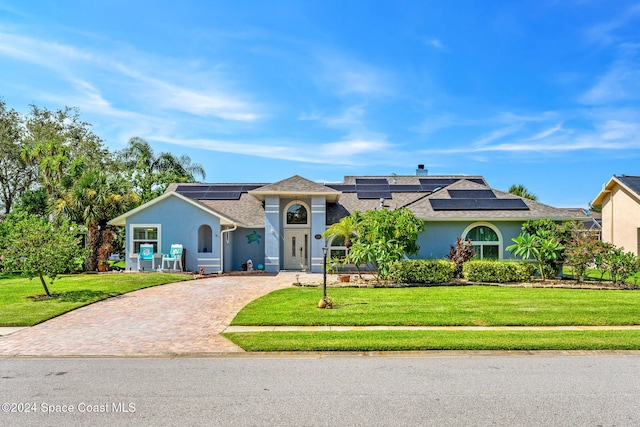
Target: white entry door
<point x="296" y="249"/>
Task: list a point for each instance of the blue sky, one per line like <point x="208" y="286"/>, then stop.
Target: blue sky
<point x="544" y="93"/>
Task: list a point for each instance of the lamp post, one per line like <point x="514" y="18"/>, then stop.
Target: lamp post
<point x="324" y="273"/>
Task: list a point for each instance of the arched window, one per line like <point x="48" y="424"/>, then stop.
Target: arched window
<point x="486" y="240"/>
<point x="204" y="239"/>
<point x="337" y="248"/>
<point x="296" y="214"/>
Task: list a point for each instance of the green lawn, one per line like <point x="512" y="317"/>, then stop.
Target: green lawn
<point x="597" y="276"/>
<point x="445" y="306"/>
<point x="436" y="340"/>
<point x="18" y="307"/>
<point x="442" y="306"/>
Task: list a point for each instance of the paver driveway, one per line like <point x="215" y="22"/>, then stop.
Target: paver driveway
<point x="178" y="318"/>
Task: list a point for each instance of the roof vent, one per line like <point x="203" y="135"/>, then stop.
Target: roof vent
<point x="421" y="171"/>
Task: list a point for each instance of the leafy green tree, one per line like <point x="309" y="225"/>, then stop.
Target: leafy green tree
<point x="581" y="252"/>
<point x="150" y="174"/>
<point x="94" y="199"/>
<point x="543" y="246"/>
<point x="563" y="232"/>
<point x="521" y="190"/>
<point x="384" y="236"/>
<point x="16" y="176"/>
<point x="38" y="248"/>
<point x="593" y="208"/>
<point x="618" y="263"/>
<point x="59" y="142"/>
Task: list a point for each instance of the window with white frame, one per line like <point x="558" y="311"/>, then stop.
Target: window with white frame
<point x="486" y="241"/>
<point x="145" y="234"/>
<point x="296" y="214"/>
<point x="337" y="248"/>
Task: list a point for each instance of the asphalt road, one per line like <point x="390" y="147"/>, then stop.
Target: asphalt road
<point x="441" y="389"/>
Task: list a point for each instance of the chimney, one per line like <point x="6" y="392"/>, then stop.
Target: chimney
<point x="421" y="171"/>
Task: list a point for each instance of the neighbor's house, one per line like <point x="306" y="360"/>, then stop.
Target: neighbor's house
<point x="279" y="226"/>
<point x="620" y="201"/>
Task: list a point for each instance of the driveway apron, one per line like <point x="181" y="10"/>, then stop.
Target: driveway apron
<point x="179" y="318"/>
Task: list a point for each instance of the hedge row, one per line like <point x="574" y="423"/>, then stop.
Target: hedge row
<point x="441" y="271"/>
<point x="498" y="271"/>
<point x="421" y="271"/>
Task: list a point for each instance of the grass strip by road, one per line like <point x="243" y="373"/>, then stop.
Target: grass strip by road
<point x="436" y="340"/>
<point x="22" y="301"/>
<point x="445" y="306"/>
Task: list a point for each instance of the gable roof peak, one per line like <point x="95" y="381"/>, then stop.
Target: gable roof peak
<point x="295" y="186"/>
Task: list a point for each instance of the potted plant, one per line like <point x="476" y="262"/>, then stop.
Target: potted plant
<point x="104" y="252"/>
<point x="334" y="267"/>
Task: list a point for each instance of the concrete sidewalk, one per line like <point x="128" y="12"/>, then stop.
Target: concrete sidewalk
<point x="7" y="330"/>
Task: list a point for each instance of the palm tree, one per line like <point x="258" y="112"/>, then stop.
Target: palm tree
<point x="151" y="174"/>
<point x="96" y="197"/>
<point x="346" y="228"/>
<point x="521" y="190"/>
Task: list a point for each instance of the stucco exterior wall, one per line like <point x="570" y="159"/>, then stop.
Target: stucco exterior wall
<point x="438" y="237"/>
<point x="272" y="234"/>
<point x="318" y="225"/>
<point x="621" y="219"/>
<point x="248" y="244"/>
<point x="178" y="222"/>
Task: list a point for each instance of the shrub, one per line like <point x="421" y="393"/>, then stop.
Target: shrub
<point x="461" y="253"/>
<point x="498" y="271"/>
<point x="543" y="246"/>
<point x="581" y="252"/>
<point x="421" y="271"/>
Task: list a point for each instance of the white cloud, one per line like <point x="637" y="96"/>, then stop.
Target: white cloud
<point x="202" y="98"/>
<point x="620" y="83"/>
<point x="344" y="152"/>
<point x="348" y="76"/>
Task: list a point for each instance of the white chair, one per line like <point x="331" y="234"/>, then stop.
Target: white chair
<point x="146" y="254"/>
<point x="175" y="255"/>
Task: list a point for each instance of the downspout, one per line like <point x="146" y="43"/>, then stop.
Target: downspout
<point x="222" y="233"/>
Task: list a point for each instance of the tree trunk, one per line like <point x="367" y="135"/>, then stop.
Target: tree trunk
<point x="44" y="284"/>
<point x="93" y="243"/>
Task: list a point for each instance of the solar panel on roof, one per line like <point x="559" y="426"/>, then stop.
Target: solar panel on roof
<point x="405" y="188"/>
<point x="184" y="188"/>
<point x="477" y="204"/>
<point x="372" y="187"/>
<point x="438" y="181"/>
<point x="226" y="187"/>
<point x="374" y="194"/>
<point x="246" y="188"/>
<point x="371" y="181"/>
<point x="478" y="181"/>
<point x="345" y="188"/>
<point x="221" y="195"/>
<point x="471" y="194"/>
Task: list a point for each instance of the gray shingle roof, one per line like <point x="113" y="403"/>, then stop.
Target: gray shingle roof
<point x="632" y="182"/>
<point x="248" y="211"/>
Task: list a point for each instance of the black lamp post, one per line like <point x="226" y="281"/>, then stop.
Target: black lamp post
<point x="324" y="273"/>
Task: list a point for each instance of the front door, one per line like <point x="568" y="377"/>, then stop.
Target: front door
<point x="296" y="249"/>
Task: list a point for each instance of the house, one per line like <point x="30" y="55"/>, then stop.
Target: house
<point x="620" y="201"/>
<point x="279" y="226"/>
